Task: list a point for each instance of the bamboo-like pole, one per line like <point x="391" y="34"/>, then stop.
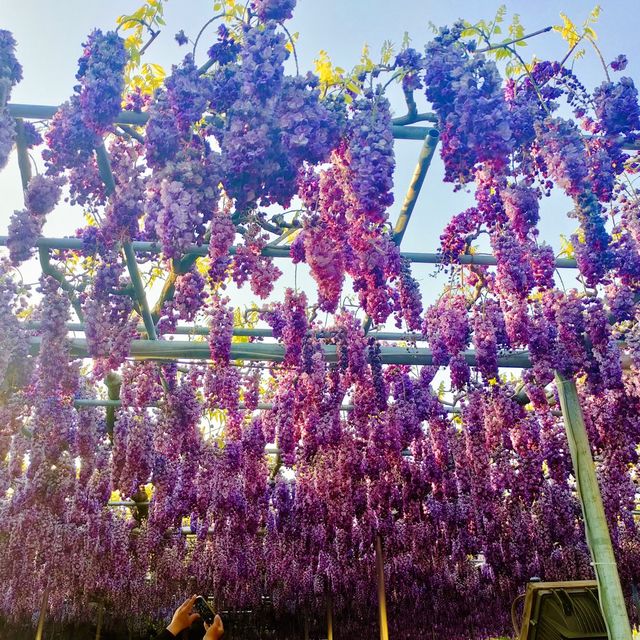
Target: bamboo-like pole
<point x="283" y="251"/>
<point x="43" y="614"/>
<point x="427" y="152"/>
<point x="382" y="598"/>
<point x="24" y="163"/>
<point x="595" y="524"/>
<point x="113" y="382"/>
<point x="329" y="618"/>
<point x="99" y="622"/>
<point x="46" y="112"/>
<point x="417" y="180"/>
<point x="104" y="167"/>
<point x="273" y="352"/>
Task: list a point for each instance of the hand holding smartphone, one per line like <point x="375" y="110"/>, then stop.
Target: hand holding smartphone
<point x="201" y="606"/>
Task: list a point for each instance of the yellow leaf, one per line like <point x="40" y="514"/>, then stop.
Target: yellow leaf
<point x="158" y="69"/>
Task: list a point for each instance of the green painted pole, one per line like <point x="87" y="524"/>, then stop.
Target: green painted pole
<point x="43" y="614"/>
<point x="104" y="167"/>
<point x="329" y="618"/>
<point x="24" y="164"/>
<point x="417" y="180"/>
<point x="138" y="287"/>
<point x="99" y="622"/>
<point x="75" y="244"/>
<point x="113" y="382"/>
<point x="46" y="112"/>
<point x="273" y="352"/>
<point x="612" y="601"/>
<point x="382" y="598"/>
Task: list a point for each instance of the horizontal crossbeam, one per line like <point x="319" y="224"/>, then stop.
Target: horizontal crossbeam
<point x="186" y="350"/>
<point x="46" y="112"/>
<point x="201" y="330"/>
<point x="76" y="244"/>
<point x="274" y="352"/>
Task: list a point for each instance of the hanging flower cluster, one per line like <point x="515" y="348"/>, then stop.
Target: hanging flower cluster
<point x="10" y="75"/>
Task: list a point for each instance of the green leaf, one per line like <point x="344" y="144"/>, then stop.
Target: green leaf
<point x="594" y="16"/>
<point x="352" y="86"/>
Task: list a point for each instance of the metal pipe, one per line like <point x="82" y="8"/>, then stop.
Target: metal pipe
<point x="401" y="132"/>
<point x="138" y="287"/>
<point x="417" y="180"/>
<point x="46" y="112"/>
<point x="329" y="618"/>
<point x="104" y="167"/>
<point x="612" y="601"/>
<point x="200" y="330"/>
<point x="184" y="350"/>
<point x="24" y="163"/>
<point x="280" y="252"/>
<point x="382" y="599"/>
<point x="97" y="402"/>
<point x="43" y="614"/>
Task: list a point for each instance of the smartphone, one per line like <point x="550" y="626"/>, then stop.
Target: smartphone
<point x="202" y="607"/>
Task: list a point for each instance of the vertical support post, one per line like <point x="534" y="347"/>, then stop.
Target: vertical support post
<point x="113" y="382"/>
<point x="306" y="627"/>
<point x="23" y="154"/>
<point x="329" y="618"/>
<point x="417" y="180"/>
<point x="382" y="599"/>
<point x="104" y="168"/>
<point x="99" y="623"/>
<point x="595" y="524"/>
<point x="138" y="288"/>
<point x="43" y="614"/>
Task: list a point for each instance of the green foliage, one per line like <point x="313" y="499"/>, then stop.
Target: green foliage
<point x="138" y="30"/>
<point x="336" y="79"/>
<point x="566" y="248"/>
<point x="506" y="50"/>
<point x="573" y="36"/>
<point x="483" y="34"/>
<point x="570" y="33"/>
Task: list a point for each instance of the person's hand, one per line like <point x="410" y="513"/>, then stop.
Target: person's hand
<point x="214" y="630"/>
<point x="183" y="618"/>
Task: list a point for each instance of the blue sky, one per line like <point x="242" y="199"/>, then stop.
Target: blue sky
<point x="49" y="36"/>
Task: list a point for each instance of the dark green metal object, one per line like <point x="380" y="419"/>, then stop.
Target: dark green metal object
<point x="612" y="599"/>
<point x="282" y="252"/>
<point x="417" y="180"/>
<point x="273" y="352"/>
<point x="104" y="166"/>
